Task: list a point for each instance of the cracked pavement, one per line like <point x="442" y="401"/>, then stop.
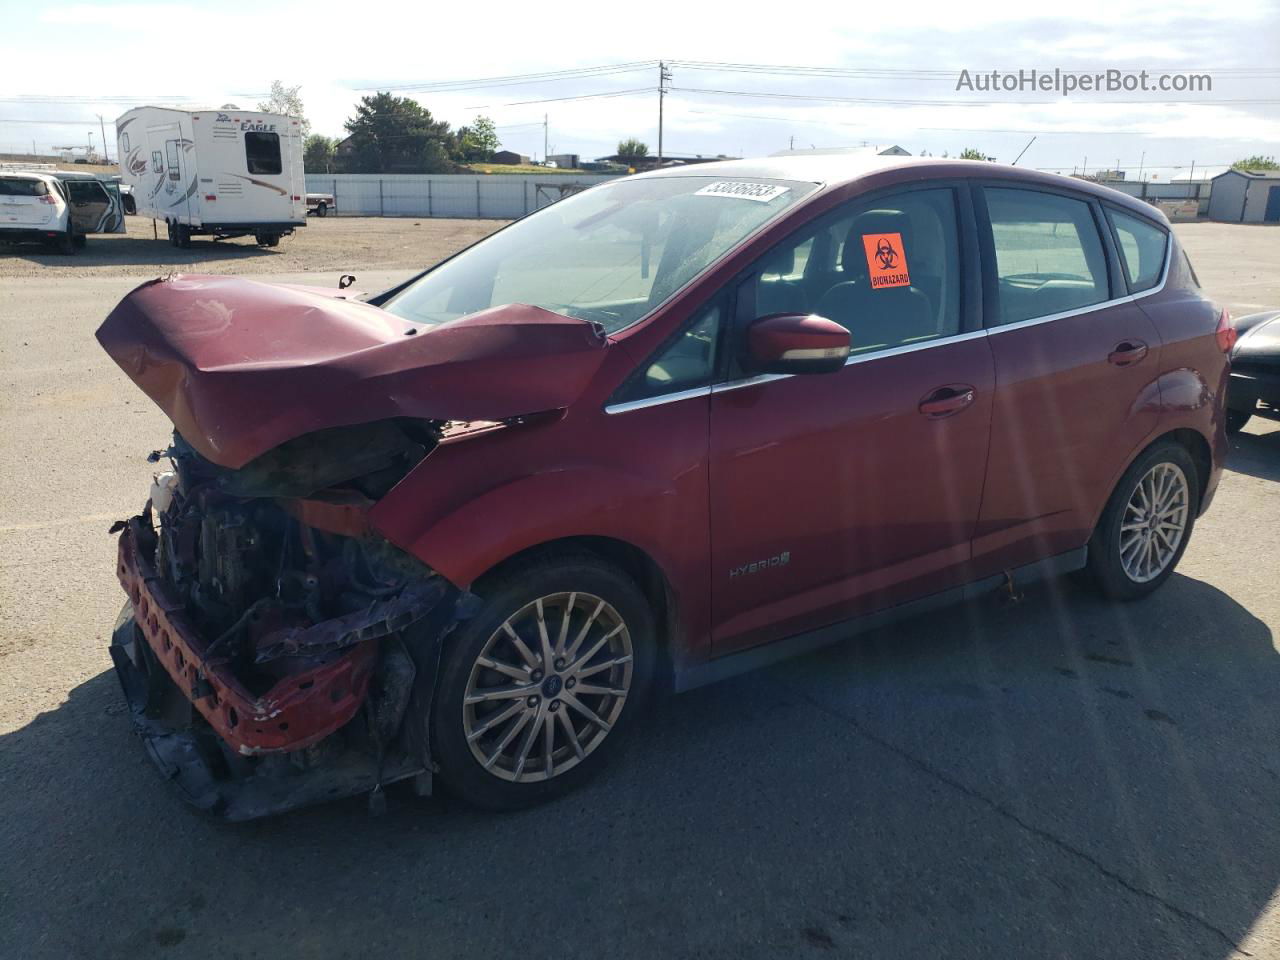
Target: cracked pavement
<point x="1054" y="777"/>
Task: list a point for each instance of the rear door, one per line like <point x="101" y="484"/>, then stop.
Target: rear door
<point x="91" y="206"/>
<point x="1076" y="363"/>
<point x="27" y="203"/>
<point x="838" y="494"/>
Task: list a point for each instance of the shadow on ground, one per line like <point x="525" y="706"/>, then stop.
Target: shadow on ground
<point x="1256" y="454"/>
<point x="1060" y="777"/>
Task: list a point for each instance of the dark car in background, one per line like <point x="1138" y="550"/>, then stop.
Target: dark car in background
<point x="1255" y="370"/>
<point x="674" y="427"/>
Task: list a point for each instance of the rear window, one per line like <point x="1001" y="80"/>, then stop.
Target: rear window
<point x="262" y="151"/>
<point x="14" y="187"/>
<point x="1049" y="256"/>
<point x="1142" y="247"/>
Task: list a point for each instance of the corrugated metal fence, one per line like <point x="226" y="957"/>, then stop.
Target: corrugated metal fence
<point x="498" y="196"/>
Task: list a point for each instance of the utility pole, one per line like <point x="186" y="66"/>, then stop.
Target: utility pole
<point x="663" y="76"/>
<point x="106" y="156"/>
<point x="1141" y="163"/>
<point x="544" y="138"/>
<point x="793" y="142"/>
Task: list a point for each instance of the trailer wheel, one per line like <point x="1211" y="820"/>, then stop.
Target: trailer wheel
<point x="322" y="209"/>
<point x="181" y="236"/>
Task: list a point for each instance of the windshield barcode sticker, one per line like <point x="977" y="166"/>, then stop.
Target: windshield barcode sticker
<point x="740" y="190"/>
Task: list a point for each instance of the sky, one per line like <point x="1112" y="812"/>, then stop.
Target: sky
<point x="64" y="64"/>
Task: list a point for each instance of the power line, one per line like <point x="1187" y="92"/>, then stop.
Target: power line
<point x="852" y="123"/>
<point x="912" y="102"/>
<point x="557" y="100"/>
<point x="517" y="78"/>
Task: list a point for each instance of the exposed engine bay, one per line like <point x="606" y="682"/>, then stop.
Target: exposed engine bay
<point x="273" y="645"/>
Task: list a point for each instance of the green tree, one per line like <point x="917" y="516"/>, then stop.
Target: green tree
<point x="286" y="100"/>
<point x="969" y="153"/>
<point x="631" y="148"/>
<point x="392" y="134"/>
<point x="317" y="154"/>
<point x="478" y="141"/>
<point x="1256" y="162"/>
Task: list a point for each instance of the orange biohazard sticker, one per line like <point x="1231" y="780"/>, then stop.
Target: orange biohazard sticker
<point x="886" y="260"/>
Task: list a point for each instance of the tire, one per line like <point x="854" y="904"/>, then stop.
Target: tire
<point x="267" y="239"/>
<point x="181" y="236"/>
<point x="130" y="206"/>
<point x="586" y="581"/>
<point x="66" y="244"/>
<point x="1236" y="419"/>
<point x="81" y="239"/>
<point x="322" y="210"/>
<point x="1129" y="579"/>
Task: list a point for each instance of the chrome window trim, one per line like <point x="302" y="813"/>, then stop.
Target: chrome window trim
<point x="904" y="348"/>
<point x="1100" y="305"/>
<point x="641" y="404"/>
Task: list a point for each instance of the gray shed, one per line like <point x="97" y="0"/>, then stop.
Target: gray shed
<point x="1246" y="196"/>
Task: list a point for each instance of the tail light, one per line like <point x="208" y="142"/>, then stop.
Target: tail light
<point x="49" y="198"/>
<point x="1225" y="333"/>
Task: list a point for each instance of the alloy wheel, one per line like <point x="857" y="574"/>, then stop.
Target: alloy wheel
<point x="1154" y="522"/>
<point x="547" y="687"/>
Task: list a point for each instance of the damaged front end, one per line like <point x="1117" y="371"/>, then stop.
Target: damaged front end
<point x="276" y="652"/>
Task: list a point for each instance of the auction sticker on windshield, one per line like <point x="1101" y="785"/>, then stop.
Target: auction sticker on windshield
<point x="760" y="192"/>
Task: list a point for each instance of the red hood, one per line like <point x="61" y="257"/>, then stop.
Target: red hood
<point x="241" y="366"/>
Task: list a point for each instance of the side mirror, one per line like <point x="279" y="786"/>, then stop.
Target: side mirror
<point x="794" y="343"/>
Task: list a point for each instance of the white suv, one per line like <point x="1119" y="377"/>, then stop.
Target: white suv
<point x="35" y="207"/>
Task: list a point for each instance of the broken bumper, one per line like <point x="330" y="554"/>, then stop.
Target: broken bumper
<point x="334" y="729"/>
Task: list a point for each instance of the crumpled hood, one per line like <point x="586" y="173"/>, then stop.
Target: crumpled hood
<point x="241" y="366"/>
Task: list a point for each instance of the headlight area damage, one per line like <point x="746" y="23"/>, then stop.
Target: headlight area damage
<point x="273" y="646"/>
<point x="277" y="650"/>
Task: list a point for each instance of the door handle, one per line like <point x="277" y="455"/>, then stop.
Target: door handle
<point x="1127" y="353"/>
<point x="947" y="400"/>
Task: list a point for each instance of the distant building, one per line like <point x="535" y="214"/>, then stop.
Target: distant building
<point x="1246" y="196"/>
<point x="893" y="150"/>
<point x="668" y="160"/>
<point x="510" y="158"/>
<point x="565" y="160"/>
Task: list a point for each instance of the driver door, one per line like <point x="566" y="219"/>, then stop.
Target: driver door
<point x="834" y="495"/>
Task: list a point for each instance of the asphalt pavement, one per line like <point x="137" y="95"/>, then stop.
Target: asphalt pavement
<point x="1054" y="777"/>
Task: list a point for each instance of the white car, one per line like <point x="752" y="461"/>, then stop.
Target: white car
<point x="36" y="207"/>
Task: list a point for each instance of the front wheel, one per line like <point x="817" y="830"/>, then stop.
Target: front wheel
<point x="544" y="684"/>
<point x="1146" y="524"/>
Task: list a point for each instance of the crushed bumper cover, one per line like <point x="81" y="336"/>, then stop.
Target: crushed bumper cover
<point x="335" y="729"/>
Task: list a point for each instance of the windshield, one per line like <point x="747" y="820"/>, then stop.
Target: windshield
<point x="610" y="254"/>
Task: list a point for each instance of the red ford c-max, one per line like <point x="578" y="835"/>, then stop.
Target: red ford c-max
<point x="670" y="428"/>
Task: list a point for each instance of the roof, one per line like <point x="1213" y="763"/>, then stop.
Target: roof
<point x="29" y="174"/>
<point x="1252" y="174"/>
<point x="838" y="170"/>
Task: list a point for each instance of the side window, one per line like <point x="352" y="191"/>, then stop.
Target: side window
<point x="173" y="152"/>
<point x="688" y="361"/>
<point x="262" y="152"/>
<point x="157" y="162"/>
<point x="124" y="142"/>
<point x="1049" y="257"/>
<point x="1142" y="249"/>
<point x="887" y="269"/>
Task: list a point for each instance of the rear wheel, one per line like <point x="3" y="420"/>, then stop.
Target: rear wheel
<point x="1236" y="419"/>
<point x="267" y="239"/>
<point x="544" y="684"/>
<point x="66" y="244"/>
<point x="181" y="236"/>
<point x="322" y="210"/>
<point x="1146" y="524"/>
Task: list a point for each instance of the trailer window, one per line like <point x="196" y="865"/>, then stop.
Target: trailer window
<point x="124" y="141"/>
<point x="171" y="149"/>
<point x="262" y="151"/>
<point x="157" y="162"/>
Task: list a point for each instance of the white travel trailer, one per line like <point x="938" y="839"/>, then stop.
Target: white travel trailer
<point x="222" y="173"/>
